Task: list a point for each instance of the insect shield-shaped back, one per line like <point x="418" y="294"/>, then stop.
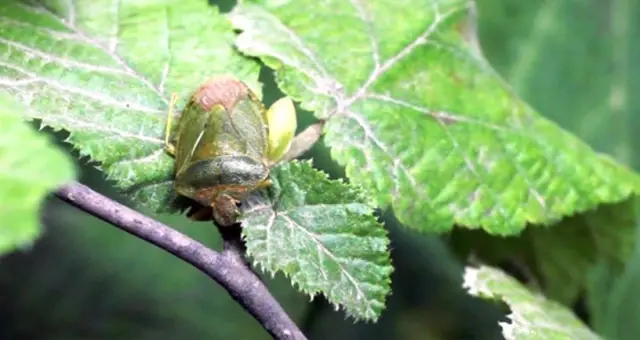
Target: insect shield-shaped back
<point x="221" y="144"/>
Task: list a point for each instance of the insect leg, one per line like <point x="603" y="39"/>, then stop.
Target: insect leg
<point x="167" y="132"/>
<point x="200" y="213"/>
<point x="264" y="184"/>
<point x="225" y="210"/>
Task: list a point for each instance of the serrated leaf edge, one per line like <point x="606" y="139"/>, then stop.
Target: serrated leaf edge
<point x="368" y="204"/>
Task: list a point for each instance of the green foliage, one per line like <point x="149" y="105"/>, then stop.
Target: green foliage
<point x="559" y="258"/>
<point x="587" y="51"/>
<point x="414" y="112"/>
<point x="612" y="298"/>
<point x="30" y="168"/>
<point x="472" y="154"/>
<point x="322" y="234"/>
<point x="105" y="74"/>
<point x="107" y="79"/>
<point x="532" y="316"/>
<point x="574" y="62"/>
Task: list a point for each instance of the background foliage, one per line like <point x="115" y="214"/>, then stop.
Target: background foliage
<point x="570" y="60"/>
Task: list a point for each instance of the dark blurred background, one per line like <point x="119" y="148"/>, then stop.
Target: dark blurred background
<point x="572" y="60"/>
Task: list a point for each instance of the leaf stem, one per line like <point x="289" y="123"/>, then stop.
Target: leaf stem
<point x="228" y="268"/>
<point x="304" y="141"/>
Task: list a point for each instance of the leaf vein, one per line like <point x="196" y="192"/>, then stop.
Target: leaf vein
<point x="270" y="224"/>
<point x="150" y="158"/>
<point x="365" y="16"/>
<point x="112" y="102"/>
<point x="106" y="50"/>
<point x="369" y="133"/>
<point x="62" y="119"/>
<point x="379" y="71"/>
<point x="71" y="12"/>
<point x="167" y="48"/>
<point x="322" y="247"/>
<point x="303" y="48"/>
<point x="471" y="167"/>
<point x="64" y="62"/>
<point x="57" y="35"/>
<point x="442" y="116"/>
<point x="115" y="36"/>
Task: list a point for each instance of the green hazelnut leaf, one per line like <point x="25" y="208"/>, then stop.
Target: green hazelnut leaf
<point x="420" y="120"/>
<point x="30" y="168"/>
<point x="559" y="258"/>
<point x="106" y="73"/>
<point x="537" y="56"/>
<point x="321" y="234"/>
<point x="532" y="316"/>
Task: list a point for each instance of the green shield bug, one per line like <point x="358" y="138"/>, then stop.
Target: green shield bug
<point x="225" y="142"/>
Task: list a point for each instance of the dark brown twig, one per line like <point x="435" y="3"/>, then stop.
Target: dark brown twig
<point x="228" y="267"/>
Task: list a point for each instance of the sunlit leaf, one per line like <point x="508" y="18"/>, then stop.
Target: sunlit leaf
<point x="105" y="73"/>
<point x="418" y="117"/>
<point x="532" y="316"/>
<point x="321" y="233"/>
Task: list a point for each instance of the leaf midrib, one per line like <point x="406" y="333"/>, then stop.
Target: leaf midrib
<point x="70" y="24"/>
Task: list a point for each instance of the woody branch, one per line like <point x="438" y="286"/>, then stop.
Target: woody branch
<point x="228" y="267"/>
